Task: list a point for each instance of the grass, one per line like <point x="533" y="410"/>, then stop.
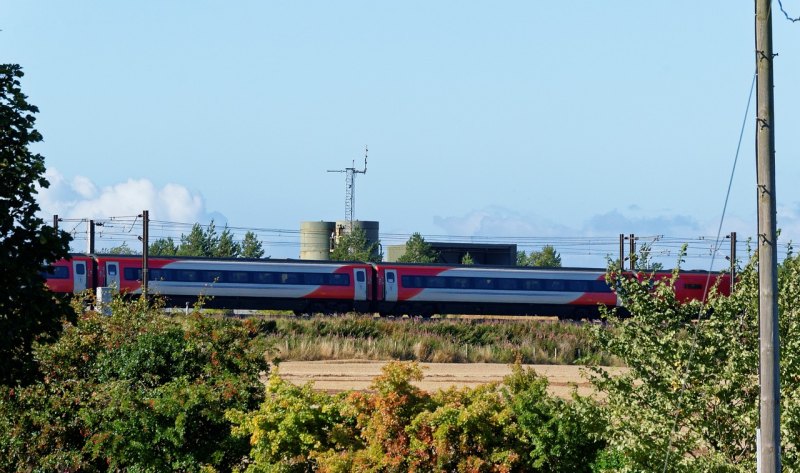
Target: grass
<point x="438" y="341"/>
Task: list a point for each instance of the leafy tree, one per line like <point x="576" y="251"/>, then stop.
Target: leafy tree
<point x="354" y="246"/>
<point x="644" y="260"/>
<point x="122" y="249"/>
<point x="548" y="257"/>
<point x="467" y="259"/>
<point x="418" y="251"/>
<point x="136" y="391"/>
<point x="163" y="247"/>
<point x="690" y="398"/>
<point x="28" y="311"/>
<point x="195" y="243"/>
<point x="251" y="247"/>
<point x="522" y="258"/>
<point x="226" y="247"/>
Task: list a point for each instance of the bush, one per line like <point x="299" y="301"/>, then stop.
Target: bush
<point x="135" y="391"/>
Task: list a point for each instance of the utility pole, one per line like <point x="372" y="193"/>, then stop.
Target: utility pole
<point x="55" y="221"/>
<point x="622" y="252"/>
<point x="733" y="261"/>
<point x="145" y="244"/>
<point x="770" y="418"/>
<point x="90" y="234"/>
<point x="632" y="256"/>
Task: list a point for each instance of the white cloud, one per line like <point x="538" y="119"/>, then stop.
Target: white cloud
<point x="500" y="221"/>
<point x="79" y="197"/>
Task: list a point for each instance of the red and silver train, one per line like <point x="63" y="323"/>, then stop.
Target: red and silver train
<point x="385" y="288"/>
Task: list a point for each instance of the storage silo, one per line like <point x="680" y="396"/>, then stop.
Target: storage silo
<point x="371" y="229"/>
<point x="315" y="240"/>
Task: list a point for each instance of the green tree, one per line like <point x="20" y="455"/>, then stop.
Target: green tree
<point x="467" y="259"/>
<point x="690" y="397"/>
<point x="418" y="251"/>
<point x="548" y="257"/>
<point x="644" y="259"/>
<point x="28" y="311"/>
<point x="163" y="247"/>
<point x="354" y="246"/>
<point x="136" y="391"/>
<point x="122" y="249"/>
<point x="522" y="259"/>
<point x="251" y="247"/>
<point x="226" y="247"/>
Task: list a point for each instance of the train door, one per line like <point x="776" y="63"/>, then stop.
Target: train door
<point x="391" y="285"/>
<point x="79" y="276"/>
<point x="112" y="274"/>
<point x="361" y="284"/>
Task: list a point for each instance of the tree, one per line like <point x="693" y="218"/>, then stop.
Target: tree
<point x="467" y="259"/>
<point x="418" y="251"/>
<point x="226" y="247"/>
<point x="163" y="247"/>
<point x="251" y="247"/>
<point x="690" y="397"/>
<point x="522" y="258"/>
<point x="548" y="257"/>
<point x="354" y="246"/>
<point x="28" y="311"/>
<point x="122" y="249"/>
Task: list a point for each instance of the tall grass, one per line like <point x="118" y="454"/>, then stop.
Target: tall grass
<point x="438" y="341"/>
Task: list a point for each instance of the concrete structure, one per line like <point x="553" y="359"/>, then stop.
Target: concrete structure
<point x="315" y="240"/>
<point x="453" y="253"/>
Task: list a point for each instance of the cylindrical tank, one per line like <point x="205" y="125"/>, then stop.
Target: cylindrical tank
<point x="315" y="240"/>
<point x="370" y="227"/>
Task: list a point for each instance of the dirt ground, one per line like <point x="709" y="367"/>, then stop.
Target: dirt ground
<point x="336" y="376"/>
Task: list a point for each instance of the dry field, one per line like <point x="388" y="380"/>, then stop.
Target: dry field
<point x="343" y="375"/>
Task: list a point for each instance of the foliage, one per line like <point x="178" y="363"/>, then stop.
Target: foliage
<point x="226" y="247"/>
<point x="690" y="399"/>
<point x="644" y="259"/>
<point x="397" y="427"/>
<point x="418" y="251"/>
<point x="135" y="391"/>
<point x="28" y="311"/>
<point x="548" y="257"/>
<point x="251" y="247"/>
<point x="354" y="246"/>
<point x="163" y="247"/>
<point x="122" y="249"/>
<point x="467" y="259"/>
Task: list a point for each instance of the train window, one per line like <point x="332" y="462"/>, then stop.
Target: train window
<point x="531" y="285"/>
<point x="80" y="269"/>
<point x="692" y="286"/>
<point x="337" y="279"/>
<point x="555" y="285"/>
<point x="410" y="281"/>
<point x="599" y="286"/>
<point x="112" y="269"/>
<point x="578" y="286"/>
<point x="156" y="275"/>
<point x="436" y="282"/>
<point x="360" y="277"/>
<point x="390" y="277"/>
<point x="132" y="274"/>
<point x="314" y="279"/>
<point x="237" y="277"/>
<point x="187" y="275"/>
<point x="211" y="276"/>
<point x="291" y="278"/>
<point x="264" y="278"/>
<point x="55" y="272"/>
<point x="483" y="283"/>
<point x="459" y="283"/>
<point x="507" y="284"/>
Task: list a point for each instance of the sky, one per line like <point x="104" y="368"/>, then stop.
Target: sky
<point x="562" y="123"/>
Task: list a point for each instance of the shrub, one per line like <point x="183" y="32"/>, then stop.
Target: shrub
<point x="135" y="391"/>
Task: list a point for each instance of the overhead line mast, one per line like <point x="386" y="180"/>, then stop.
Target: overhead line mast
<point x="350" y="189"/>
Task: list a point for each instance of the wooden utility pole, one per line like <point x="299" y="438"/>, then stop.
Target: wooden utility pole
<point x="770" y="443"/>
<point x="145" y="250"/>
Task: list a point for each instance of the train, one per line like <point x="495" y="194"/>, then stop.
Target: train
<point x="306" y="287"/>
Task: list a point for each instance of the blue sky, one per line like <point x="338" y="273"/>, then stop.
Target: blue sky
<point x="534" y="121"/>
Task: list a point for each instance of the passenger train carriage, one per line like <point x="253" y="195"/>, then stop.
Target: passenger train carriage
<point x="386" y="288"/>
